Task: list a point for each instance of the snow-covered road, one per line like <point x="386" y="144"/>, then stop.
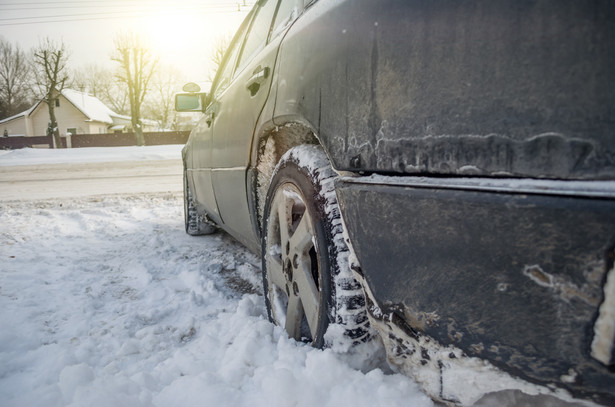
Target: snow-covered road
<point x="105" y="301"/>
<point x="72" y="173"/>
<point x="80" y="180"/>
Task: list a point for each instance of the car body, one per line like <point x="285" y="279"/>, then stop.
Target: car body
<point x="474" y="147"/>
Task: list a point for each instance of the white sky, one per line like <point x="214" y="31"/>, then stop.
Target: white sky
<point x="181" y="32"/>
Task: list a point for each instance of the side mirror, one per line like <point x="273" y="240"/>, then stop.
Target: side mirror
<point x="190" y="102"/>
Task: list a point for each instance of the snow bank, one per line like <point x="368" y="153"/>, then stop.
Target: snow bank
<point x="36" y="156"/>
<point x="107" y="302"/>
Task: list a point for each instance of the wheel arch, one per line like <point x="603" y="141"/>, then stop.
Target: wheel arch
<point x="271" y="143"/>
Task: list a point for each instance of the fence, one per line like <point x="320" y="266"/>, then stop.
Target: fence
<point x="97" y="140"/>
<point x="13" y="143"/>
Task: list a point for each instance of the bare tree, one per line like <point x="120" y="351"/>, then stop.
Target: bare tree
<point x="15" y="95"/>
<point x="167" y="81"/>
<point x="221" y="44"/>
<point x="90" y="79"/>
<point x="101" y="82"/>
<point x="51" y="73"/>
<point x="137" y="66"/>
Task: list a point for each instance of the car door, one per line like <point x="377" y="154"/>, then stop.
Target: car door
<point x="202" y="137"/>
<point x="238" y="111"/>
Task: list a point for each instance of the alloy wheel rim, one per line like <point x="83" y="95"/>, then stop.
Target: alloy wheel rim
<point x="292" y="264"/>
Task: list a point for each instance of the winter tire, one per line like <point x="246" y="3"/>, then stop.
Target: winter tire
<point x="195" y="224"/>
<point x="306" y="277"/>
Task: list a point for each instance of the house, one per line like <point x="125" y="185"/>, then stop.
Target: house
<point x="76" y="113"/>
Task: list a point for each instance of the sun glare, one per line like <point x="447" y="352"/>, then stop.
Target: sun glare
<point x="177" y="34"/>
<point x="166" y="33"/>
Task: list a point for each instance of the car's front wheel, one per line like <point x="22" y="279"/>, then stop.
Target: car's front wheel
<point x="306" y="276"/>
<point x="195" y="224"/>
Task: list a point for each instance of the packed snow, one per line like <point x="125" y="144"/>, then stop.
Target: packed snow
<point x="37" y="156"/>
<point x="107" y="302"/>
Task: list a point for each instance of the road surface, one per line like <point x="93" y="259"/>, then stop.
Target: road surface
<point x="49" y="181"/>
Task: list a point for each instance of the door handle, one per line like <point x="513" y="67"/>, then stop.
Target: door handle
<point x="259" y="76"/>
<point x="210" y="118"/>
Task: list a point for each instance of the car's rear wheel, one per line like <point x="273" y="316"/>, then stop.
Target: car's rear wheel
<point x="195" y="224"/>
<point x="306" y="276"/>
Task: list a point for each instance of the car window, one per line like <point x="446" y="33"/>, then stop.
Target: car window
<point x="225" y="72"/>
<point x="259" y="32"/>
<point x="287" y="12"/>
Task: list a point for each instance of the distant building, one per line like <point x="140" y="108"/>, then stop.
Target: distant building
<point x="76" y="113"/>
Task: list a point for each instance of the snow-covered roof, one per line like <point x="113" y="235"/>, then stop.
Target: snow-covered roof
<point x="119" y="119"/>
<point x="90" y="106"/>
<point x="96" y="110"/>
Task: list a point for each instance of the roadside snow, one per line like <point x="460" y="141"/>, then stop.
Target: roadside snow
<point x="107" y="302"/>
<point x="36" y="156"/>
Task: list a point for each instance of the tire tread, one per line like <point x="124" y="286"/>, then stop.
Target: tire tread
<point x="350" y="310"/>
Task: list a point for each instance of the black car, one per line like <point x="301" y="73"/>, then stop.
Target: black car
<point x="441" y="172"/>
